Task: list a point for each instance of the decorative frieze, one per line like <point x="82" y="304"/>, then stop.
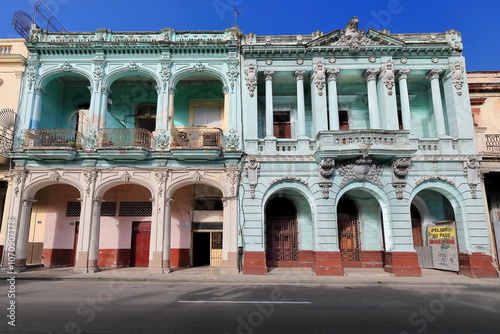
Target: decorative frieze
<point x="400" y="169"/>
<point x="319" y="77"/>
<point x="288" y="178"/>
<point x="435" y="178"/>
<point x="251" y="78"/>
<point x="388" y="76"/>
<point x="252" y="171"/>
<point x="363" y="168"/>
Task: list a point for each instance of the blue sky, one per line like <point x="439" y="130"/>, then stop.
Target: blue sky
<point x="476" y="20"/>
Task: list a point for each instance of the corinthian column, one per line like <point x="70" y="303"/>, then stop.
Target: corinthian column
<point x="437" y="104"/>
<point x="333" y="104"/>
<point x="373" y="112"/>
<point x="301" y="108"/>
<point x="405" y="100"/>
<point x="268" y="76"/>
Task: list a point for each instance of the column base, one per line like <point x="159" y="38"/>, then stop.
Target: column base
<point x="254" y="263"/>
<point x="402" y="264"/>
<point x="92" y="267"/>
<point x="165" y="266"/>
<point x="328" y="264"/>
<point x="156" y="264"/>
<point x="477" y="265"/>
<point x="20" y="265"/>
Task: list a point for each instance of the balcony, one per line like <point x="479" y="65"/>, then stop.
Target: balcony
<point x="55" y="143"/>
<point x="196" y="143"/>
<point x="492" y="142"/>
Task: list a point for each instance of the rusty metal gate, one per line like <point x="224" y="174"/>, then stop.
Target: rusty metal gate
<point x="282" y="242"/>
<point x="349" y="240"/>
<point x="216" y="249"/>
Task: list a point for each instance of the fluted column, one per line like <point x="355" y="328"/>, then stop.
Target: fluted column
<point x="23" y="234"/>
<point x="405" y="99"/>
<point x="437" y="104"/>
<point x="37" y="109"/>
<point x="333" y="104"/>
<point x="94" y="235"/>
<point x="301" y="108"/>
<point x="268" y="77"/>
<point x="104" y="107"/>
<point x="373" y="112"/>
<point x="167" y="234"/>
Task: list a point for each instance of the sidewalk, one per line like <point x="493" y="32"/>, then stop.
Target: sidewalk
<point x="276" y="276"/>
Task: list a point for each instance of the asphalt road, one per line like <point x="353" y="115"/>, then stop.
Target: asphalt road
<point x="149" y="307"/>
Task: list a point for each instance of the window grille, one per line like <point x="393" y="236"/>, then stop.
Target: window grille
<point x="73" y="209"/>
<point x="108" y="209"/>
<point x="135" y="209"/>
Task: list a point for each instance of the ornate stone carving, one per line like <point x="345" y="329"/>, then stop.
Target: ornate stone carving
<point x="332" y="73"/>
<point x="288" y="178"/>
<point x="299" y="75"/>
<point x="90" y="139"/>
<point x="268" y="75"/>
<point x="251" y="78"/>
<point x="472" y="173"/>
<point x="434" y="73"/>
<point x="66" y="67"/>
<point x="98" y="71"/>
<point x="89" y="177"/>
<point x="232" y="73"/>
<point x="54" y="176"/>
<point x="363" y="168"/>
<point x="199" y="67"/>
<point x="126" y="177"/>
<point x="269" y="61"/>
<point x="196" y="176"/>
<point x="403" y="73"/>
<point x="371" y="74"/>
<point x="388" y="76"/>
<point x="457" y="76"/>
<point x="233" y="178"/>
<point x="319" y="77"/>
<point x="252" y="171"/>
<point x="332" y="60"/>
<point x="400" y="169"/>
<point x="353" y="37"/>
<point x="31" y="72"/>
<point x="403" y="60"/>
<point x="17" y="178"/>
<point x="168" y="202"/>
<point x="165" y="72"/>
<point x="161" y="178"/>
<point x="162" y="140"/>
<point x="300" y="61"/>
<point x="435" y="60"/>
<point x="133" y="67"/>
<point x="232" y="141"/>
<point x="435" y="178"/>
<point x="326" y="168"/>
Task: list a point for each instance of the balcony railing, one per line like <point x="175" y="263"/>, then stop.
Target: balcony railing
<point x="52" y="138"/>
<point x="196" y="138"/>
<point x="124" y="138"/>
<point x="492" y="142"/>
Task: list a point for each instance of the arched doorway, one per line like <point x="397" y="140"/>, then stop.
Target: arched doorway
<point x="282" y="242"/>
<point x="349" y="233"/>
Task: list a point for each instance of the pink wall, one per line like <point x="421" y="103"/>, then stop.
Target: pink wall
<point x="182" y="210"/>
<point x="58" y="233"/>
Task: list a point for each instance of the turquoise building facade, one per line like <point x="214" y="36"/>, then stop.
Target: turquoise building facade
<point x="245" y="153"/>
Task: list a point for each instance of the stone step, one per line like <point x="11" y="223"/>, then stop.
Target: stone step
<point x="291" y="272"/>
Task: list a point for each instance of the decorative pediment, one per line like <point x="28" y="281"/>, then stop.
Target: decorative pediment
<point x="354" y="38"/>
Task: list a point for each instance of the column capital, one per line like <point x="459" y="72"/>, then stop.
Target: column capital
<point x="299" y="75"/>
<point x="268" y="75"/>
<point x="332" y="73"/>
<point x="97" y="202"/>
<point x="39" y="90"/>
<point x="371" y="74"/>
<point x="106" y="91"/>
<point x="168" y="202"/>
<point x="434" y="73"/>
<point x="27" y="202"/>
<point x="171" y="90"/>
<point x="403" y="73"/>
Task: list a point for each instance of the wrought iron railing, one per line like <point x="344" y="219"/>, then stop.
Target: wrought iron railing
<point x="124" y="138"/>
<point x="492" y="142"/>
<point x="196" y="138"/>
<point x="53" y="138"/>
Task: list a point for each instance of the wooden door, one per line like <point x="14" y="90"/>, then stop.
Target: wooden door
<point x="282" y="242"/>
<point x="139" y="250"/>
<point x="349" y="240"/>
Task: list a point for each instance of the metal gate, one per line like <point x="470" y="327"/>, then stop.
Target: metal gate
<point x="216" y="249"/>
<point x="282" y="242"/>
<point x="349" y="241"/>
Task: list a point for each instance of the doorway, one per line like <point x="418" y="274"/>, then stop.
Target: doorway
<point x="349" y="233"/>
<point x="139" y="250"/>
<point x="207" y="248"/>
<point x="75" y="241"/>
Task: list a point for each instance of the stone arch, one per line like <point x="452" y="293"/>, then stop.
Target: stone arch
<point x="453" y="195"/>
<point x="382" y="199"/>
<point x="103" y="187"/>
<point x="178" y="76"/>
<point x="41" y="81"/>
<point x="124" y="71"/>
<point x="30" y="190"/>
<point x="187" y="181"/>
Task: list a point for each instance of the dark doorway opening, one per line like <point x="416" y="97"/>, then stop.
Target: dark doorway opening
<point x="139" y="252"/>
<point x="201" y="249"/>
